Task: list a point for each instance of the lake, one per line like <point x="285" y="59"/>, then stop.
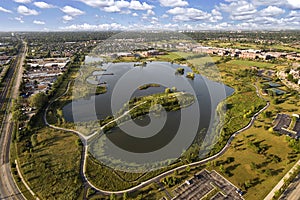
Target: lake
<point x="208" y="95"/>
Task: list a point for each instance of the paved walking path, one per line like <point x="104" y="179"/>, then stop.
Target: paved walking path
<point x="158" y="177"/>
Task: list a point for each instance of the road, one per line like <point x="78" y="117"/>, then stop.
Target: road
<point x="281" y="182"/>
<point x="293" y="191"/>
<point x="8" y="187"/>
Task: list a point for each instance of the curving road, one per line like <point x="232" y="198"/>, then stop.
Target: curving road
<point x="160" y="176"/>
<point x="8" y="187"/>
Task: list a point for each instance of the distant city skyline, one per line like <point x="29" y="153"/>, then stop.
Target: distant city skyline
<point x="102" y="15"/>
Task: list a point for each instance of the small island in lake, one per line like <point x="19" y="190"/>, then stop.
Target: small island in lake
<point x="146" y="86"/>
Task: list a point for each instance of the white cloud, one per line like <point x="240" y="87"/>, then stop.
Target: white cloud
<point x="100" y="27"/>
<point x="133" y="5"/>
<point x="126" y="12"/>
<point x="5" y="10"/>
<point x="294" y="3"/>
<point x="38" y="22"/>
<point x="72" y="11"/>
<point x="135" y="15"/>
<point x="98" y="3"/>
<point x="188" y="14"/>
<point x="67" y="18"/>
<point x="112" y="9"/>
<point x="43" y="5"/>
<point x="117" y="6"/>
<point x="150" y="12"/>
<point x="154" y="19"/>
<point x="23" y="10"/>
<point x="271" y="11"/>
<point x="269" y="2"/>
<point x="20" y="19"/>
<point x="216" y="16"/>
<point x="122" y="4"/>
<point x="294" y="13"/>
<point x="176" y="11"/>
<point x="165" y="16"/>
<point x="173" y="3"/>
<point x="136" y="5"/>
<point x="22" y="1"/>
<point x="238" y="10"/>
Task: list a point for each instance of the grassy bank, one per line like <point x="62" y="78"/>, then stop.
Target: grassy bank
<point x="50" y="163"/>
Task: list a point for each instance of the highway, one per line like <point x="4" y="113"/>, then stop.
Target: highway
<point x="8" y="188"/>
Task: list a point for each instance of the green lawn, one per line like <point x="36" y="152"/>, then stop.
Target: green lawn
<point x="189" y="56"/>
<point x="268" y="171"/>
<point x="246" y="63"/>
<point x="239" y="171"/>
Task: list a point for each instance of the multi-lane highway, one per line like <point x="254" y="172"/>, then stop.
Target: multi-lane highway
<point x="11" y="84"/>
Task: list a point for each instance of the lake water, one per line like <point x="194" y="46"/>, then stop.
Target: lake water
<point x="208" y="93"/>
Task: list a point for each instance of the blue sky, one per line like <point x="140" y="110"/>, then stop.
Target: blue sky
<point x="72" y="15"/>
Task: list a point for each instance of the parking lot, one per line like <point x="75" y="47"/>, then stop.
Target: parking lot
<point x="207" y="183"/>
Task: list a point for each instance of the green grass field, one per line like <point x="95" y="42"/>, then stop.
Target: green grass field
<point x="261" y="170"/>
<point x="240" y="171"/>
<point x="246" y="63"/>
<point x="52" y="166"/>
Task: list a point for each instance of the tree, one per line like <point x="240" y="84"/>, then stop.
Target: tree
<point x="253" y="166"/>
<point x="38" y="100"/>
<point x="208" y="164"/>
<point x="222" y="170"/>
<point x="78" y="142"/>
<point x="290" y="77"/>
<point x="176" y="172"/>
<point x="174" y="89"/>
<point x="113" y="197"/>
<point x="180" y="70"/>
<point x="188" y="169"/>
<point x="248" y="184"/>
<point x="167" y="90"/>
<point x="268" y="172"/>
<point x="125" y="195"/>
<point x="190" y="75"/>
<point x="33" y="139"/>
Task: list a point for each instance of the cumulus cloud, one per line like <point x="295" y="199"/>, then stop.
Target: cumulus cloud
<point x="38" y="22"/>
<point x="23" y="10"/>
<point x="100" y="27"/>
<point x="216" y="16"/>
<point x="294" y="13"/>
<point x="294" y="3"/>
<point x="5" y="10"/>
<point x="272" y="11"/>
<point x="69" y="10"/>
<point x="135" y="15"/>
<point x="188" y="14"/>
<point x="269" y="2"/>
<point x="117" y="6"/>
<point x="112" y="9"/>
<point x="98" y="3"/>
<point x="22" y="1"/>
<point x="43" y="5"/>
<point x="122" y="4"/>
<point x="136" y="5"/>
<point x="150" y="12"/>
<point x="238" y="10"/>
<point x="173" y="3"/>
<point x="19" y="19"/>
<point x="165" y="16"/>
<point x="67" y="18"/>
